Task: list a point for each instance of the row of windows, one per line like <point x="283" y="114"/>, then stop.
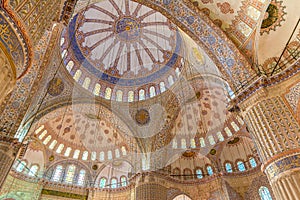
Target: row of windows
<point x="85" y="154"/>
<point x="240" y="165"/>
<point x="188" y="174"/>
<point x="113" y="183"/>
<point x="21" y="166"/>
<point x="67" y="175"/>
<point x="210" y="138"/>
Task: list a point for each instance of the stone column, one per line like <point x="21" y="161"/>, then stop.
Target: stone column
<point x="8" y="151"/>
<point x="276" y="133"/>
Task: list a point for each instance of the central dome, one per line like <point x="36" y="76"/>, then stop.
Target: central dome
<point x="123" y="52"/>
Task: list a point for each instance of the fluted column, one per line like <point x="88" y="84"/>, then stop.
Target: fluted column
<point x="8" y="151"/>
<point x="276" y="133"/>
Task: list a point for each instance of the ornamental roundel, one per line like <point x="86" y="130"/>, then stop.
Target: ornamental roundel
<point x="142" y="117"/>
<point x="124" y="46"/>
<point x="56" y="87"/>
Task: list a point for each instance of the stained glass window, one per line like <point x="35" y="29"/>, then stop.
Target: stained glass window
<point x="123" y="181"/>
<point x="228" y="168"/>
<point x="81" y="177"/>
<point x="174" y="145"/>
<point x="241" y="166"/>
<point x="77" y="75"/>
<point x="183" y="143"/>
<point x="33" y="170"/>
<point x="117" y="153"/>
<point x="177" y="72"/>
<point x="119" y="95"/>
<point x="252" y="162"/>
<point x="52" y="145"/>
<point x="97" y="89"/>
<point x="107" y="93"/>
<point x="130" y="96"/>
<point x="142" y="95"/>
<point x="102" y="182"/>
<point x="86" y="83"/>
<point x="70" y="174"/>
<point x="62" y="41"/>
<point x="264" y="193"/>
<point x="70" y="65"/>
<point x="162" y="87"/>
<point x="193" y="143"/>
<point x="76" y="154"/>
<point x="21" y="166"/>
<point x="235" y="127"/>
<point x="94" y="155"/>
<point x="60" y="148"/>
<point x="211" y="140"/>
<point x="43" y="134"/>
<point x="199" y="174"/>
<point x="85" y="155"/>
<point x="39" y="129"/>
<point x="240" y="120"/>
<point x="228" y="132"/>
<point x="202" y="142"/>
<point x="57" y="173"/>
<point x="64" y="53"/>
<point x="209" y="170"/>
<point x="68" y="151"/>
<point x="170" y="80"/>
<point x="152" y="91"/>
<point x="113" y="183"/>
<point x="48" y="138"/>
<point x="220" y="136"/>
<point x="101" y="156"/>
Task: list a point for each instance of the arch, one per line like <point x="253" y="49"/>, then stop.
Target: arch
<point x="264" y="193"/>
<point x="152" y="91"/>
<point x="119" y="95"/>
<point x="113" y="182"/>
<point x="33" y="170"/>
<point x="182" y="197"/>
<point x="187" y="174"/>
<point x="69" y="176"/>
<point x="57" y="175"/>
<point x="209" y="170"/>
<point x="228" y="167"/>
<point x="102" y="183"/>
<point x="123" y="181"/>
<point x="199" y="173"/>
<point x="252" y="162"/>
<point x="81" y="177"/>
<point x="142" y="95"/>
<point x="241" y="166"/>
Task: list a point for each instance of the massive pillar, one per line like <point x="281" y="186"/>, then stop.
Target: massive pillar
<point x="8" y="152"/>
<point x="276" y="133"/>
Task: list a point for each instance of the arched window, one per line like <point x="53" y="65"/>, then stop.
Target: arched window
<point x="77" y="75"/>
<point x="70" y="174"/>
<point x="119" y="96"/>
<point x="107" y="93"/>
<point x="177" y="72"/>
<point x="94" y="155"/>
<point x="241" y="166"/>
<point x="102" y="182"/>
<point x="101" y="156"/>
<point x="76" y="154"/>
<point x="176" y="172"/>
<point x="57" y="173"/>
<point x="162" y="87"/>
<point x="68" y="151"/>
<point x="124" y="152"/>
<point x="97" y="89"/>
<point x="85" y="155"/>
<point x="117" y="153"/>
<point x="252" y="162"/>
<point x="183" y="143"/>
<point x="187" y="174"/>
<point x="43" y="134"/>
<point x="130" y="96"/>
<point x="113" y="183"/>
<point x="264" y="193"/>
<point x="228" y="132"/>
<point x="86" y="83"/>
<point x="48" y="138"/>
<point x="33" y="170"/>
<point x="170" y="80"/>
<point x="211" y="140"/>
<point x="60" y="148"/>
<point x="21" y="166"/>
<point x="174" y="145"/>
<point x="240" y="120"/>
<point x="228" y="167"/>
<point x="123" y="181"/>
<point x="70" y="65"/>
<point x="142" y="95"/>
<point x="182" y="197"/>
<point x="62" y="41"/>
<point x="209" y="170"/>
<point x="64" y="53"/>
<point x="152" y="91"/>
<point x="52" y="145"/>
<point x="235" y="127"/>
<point x="202" y="142"/>
<point x="193" y="143"/>
<point x="109" y="155"/>
<point x="81" y="177"/>
<point x="199" y="173"/>
<point x="220" y="136"/>
<point x="39" y="129"/>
